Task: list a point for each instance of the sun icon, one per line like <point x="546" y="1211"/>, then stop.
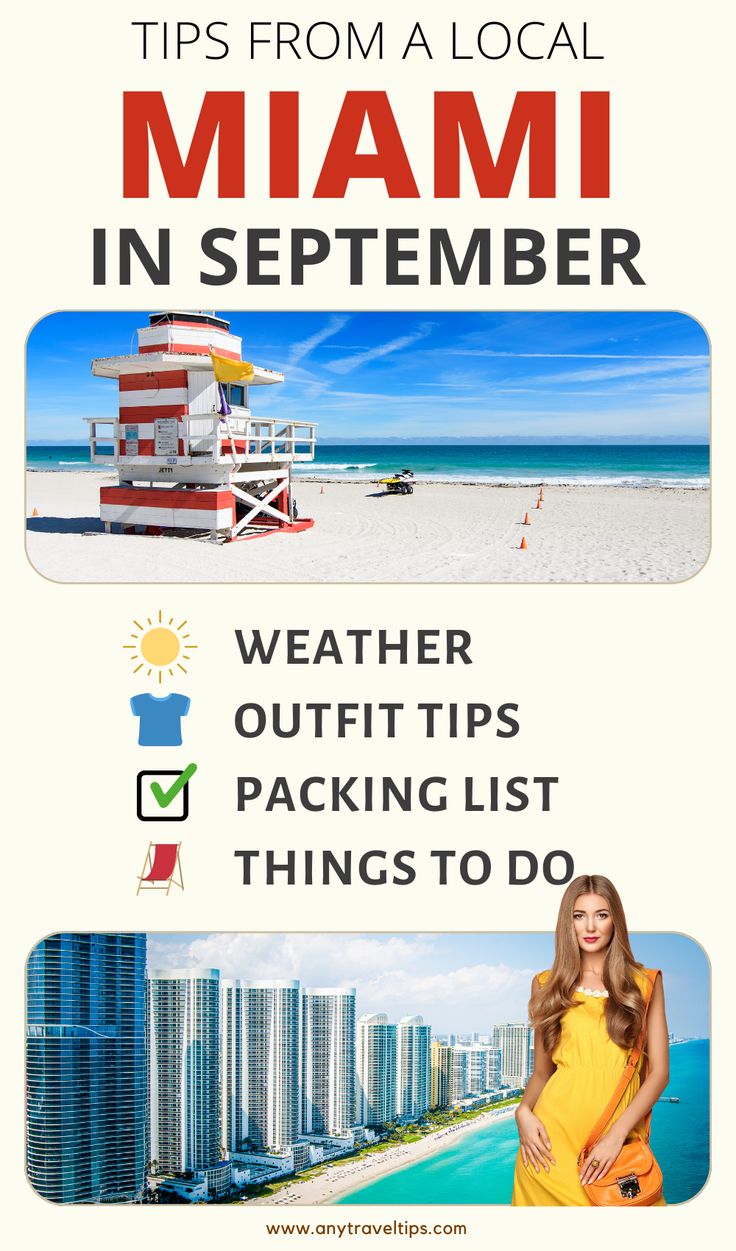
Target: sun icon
<point x="159" y="646"/>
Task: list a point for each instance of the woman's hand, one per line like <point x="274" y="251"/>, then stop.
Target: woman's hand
<point x="603" y="1155"/>
<point x="536" y="1147"/>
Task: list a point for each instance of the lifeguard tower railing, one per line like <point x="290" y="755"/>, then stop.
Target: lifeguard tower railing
<point x="202" y="440"/>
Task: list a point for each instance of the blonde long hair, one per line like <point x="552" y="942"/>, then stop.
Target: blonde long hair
<point x="625" y="1003"/>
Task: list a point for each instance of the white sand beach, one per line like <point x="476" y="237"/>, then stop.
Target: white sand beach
<point x="342" y="1177"/>
<point x="444" y="532"/>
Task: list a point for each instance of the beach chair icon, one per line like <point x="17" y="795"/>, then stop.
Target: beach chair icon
<point x="161" y="867"/>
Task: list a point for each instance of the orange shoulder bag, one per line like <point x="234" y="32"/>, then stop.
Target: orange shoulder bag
<point x="635" y="1180"/>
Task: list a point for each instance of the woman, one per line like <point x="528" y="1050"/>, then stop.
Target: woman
<point x="587" y="1012"/>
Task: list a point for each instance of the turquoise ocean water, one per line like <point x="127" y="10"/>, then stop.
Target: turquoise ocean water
<point x="479" y="1167"/>
<point x="673" y="465"/>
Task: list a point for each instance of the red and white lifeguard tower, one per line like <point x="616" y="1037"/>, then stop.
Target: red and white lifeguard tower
<point x="189" y="453"/>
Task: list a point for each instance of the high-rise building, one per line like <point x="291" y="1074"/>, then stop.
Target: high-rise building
<point x="86" y="1068"/>
<point x="183" y="1065"/>
<point x="495" y="1068"/>
<point x="440" y="1075"/>
<point x="459" y="1084"/>
<point x="413" y="1039"/>
<point x="232" y="1060"/>
<point x="476" y="1069"/>
<point x="516" y="1044"/>
<point x="328" y="1060"/>
<point x="375" y="1063"/>
<point x="271" y="1063"/>
<point x="484" y="1068"/>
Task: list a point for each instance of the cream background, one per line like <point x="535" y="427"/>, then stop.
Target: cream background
<point x="625" y="692"/>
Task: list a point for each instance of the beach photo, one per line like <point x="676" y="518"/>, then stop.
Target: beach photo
<point x="368" y="447"/>
<point x="316" y="1069"/>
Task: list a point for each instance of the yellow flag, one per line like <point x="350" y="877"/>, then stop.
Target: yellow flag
<point x="231" y="371"/>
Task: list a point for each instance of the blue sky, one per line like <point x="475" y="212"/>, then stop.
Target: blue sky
<point x="404" y="374"/>
<point x="457" y="982"/>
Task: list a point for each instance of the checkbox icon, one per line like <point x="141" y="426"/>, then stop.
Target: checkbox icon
<point x="163" y="794"/>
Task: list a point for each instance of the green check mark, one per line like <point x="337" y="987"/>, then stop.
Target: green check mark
<point x="164" y="798"/>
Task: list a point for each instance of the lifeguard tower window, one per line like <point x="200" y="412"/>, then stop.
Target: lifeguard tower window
<point x="236" y="395"/>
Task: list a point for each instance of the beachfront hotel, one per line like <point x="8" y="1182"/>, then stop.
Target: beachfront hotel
<point x="459" y="1073"/>
<point x="328" y="1060"/>
<point x="440" y="1074"/>
<point x="484" y="1068"/>
<point x="375" y="1064"/>
<point x="515" y="1042"/>
<point x="271" y="1064"/>
<point x="183" y="1022"/>
<point x="86" y="1068"/>
<point x="413" y="1072"/>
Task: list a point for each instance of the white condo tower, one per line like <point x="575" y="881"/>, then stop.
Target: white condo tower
<point x="232" y="1059"/>
<point x="375" y="1057"/>
<point x="515" y="1042"/>
<point x="270" y="1082"/>
<point x="328" y="1060"/>
<point x="413" y="1072"/>
<point x="183" y="1018"/>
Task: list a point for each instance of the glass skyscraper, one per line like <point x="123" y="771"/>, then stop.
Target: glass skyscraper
<point x="86" y="1068"/>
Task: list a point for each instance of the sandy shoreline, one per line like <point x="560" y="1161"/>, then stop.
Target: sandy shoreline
<point x="444" y="532"/>
<point x="342" y="1178"/>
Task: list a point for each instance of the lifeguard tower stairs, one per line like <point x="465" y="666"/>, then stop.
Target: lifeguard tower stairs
<point x="189" y="454"/>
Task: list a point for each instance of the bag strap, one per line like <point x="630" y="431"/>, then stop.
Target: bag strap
<point x="628" y="1073"/>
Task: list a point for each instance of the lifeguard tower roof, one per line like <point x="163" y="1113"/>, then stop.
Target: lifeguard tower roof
<point x="197" y="319"/>
<point x="175" y="340"/>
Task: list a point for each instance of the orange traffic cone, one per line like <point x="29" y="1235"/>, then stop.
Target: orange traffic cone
<point x="522" y="545"/>
<point x="526" y="521"/>
<point x="539" y="502"/>
<point x="541" y="492"/>
<point x="35" y="513"/>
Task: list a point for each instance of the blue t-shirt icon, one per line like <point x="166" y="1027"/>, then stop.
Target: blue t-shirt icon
<point x="160" y="719"/>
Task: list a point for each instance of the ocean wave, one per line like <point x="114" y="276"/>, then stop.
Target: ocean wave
<point x="369" y="464"/>
<point x="697" y="482"/>
<point x="68" y="466"/>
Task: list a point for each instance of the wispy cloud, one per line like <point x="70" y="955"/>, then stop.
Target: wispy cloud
<point x="638" y="368"/>
<point x="349" y="363"/>
<point x="578" y="356"/>
<point x="300" y="351"/>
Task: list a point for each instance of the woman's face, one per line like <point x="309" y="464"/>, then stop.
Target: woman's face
<point x="593" y="923"/>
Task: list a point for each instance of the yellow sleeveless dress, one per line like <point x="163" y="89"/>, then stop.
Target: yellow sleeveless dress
<point x="589" y="1065"/>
